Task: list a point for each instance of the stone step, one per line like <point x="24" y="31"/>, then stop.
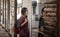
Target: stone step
<point x="52" y="2"/>
<point x="50" y="6"/>
<point x="49" y="9"/>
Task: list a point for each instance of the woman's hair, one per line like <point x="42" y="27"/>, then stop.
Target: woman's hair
<point x="42" y="10"/>
<point x="23" y="10"/>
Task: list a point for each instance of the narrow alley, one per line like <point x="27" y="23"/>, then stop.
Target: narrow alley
<point x="40" y="18"/>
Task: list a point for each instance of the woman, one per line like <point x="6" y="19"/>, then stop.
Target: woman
<point x="23" y="24"/>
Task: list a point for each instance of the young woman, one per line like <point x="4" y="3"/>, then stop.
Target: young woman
<point x="23" y="23"/>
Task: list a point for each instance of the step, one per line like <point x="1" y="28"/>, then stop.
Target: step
<point x="50" y="6"/>
<point x="49" y="9"/>
<point x="52" y="25"/>
<point x="49" y="18"/>
<point x="51" y="2"/>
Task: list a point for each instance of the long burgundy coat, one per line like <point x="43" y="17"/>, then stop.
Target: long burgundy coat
<point x="23" y="31"/>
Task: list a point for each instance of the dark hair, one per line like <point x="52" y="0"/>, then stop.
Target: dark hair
<point x="42" y="10"/>
<point x="23" y="10"/>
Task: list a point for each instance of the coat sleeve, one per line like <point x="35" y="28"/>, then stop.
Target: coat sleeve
<point x="21" y="20"/>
